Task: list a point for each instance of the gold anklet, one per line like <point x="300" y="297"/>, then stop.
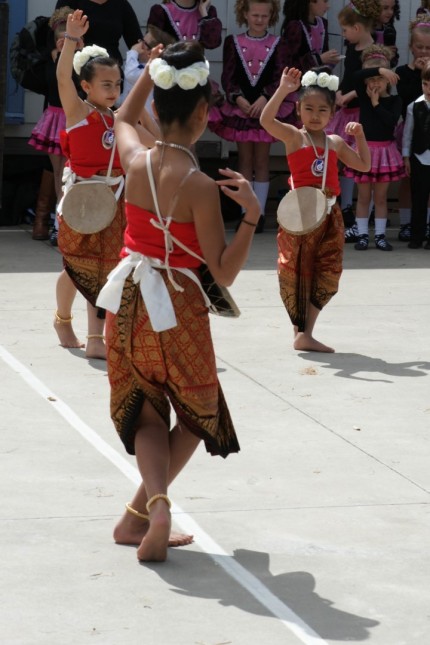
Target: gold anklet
<point x="101" y="336"/>
<point x="154" y="498"/>
<point x="133" y="511"/>
<point x="62" y="321"/>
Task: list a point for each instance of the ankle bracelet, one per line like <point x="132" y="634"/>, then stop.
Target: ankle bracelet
<point x="155" y="498"/>
<point x="133" y="511"/>
<point x="62" y="321"/>
<point x="90" y="336"/>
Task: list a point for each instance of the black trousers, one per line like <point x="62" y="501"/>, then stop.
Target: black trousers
<point x="420" y="193"/>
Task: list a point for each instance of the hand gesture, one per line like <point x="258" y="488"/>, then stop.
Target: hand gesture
<point x="77" y="24"/>
<point x="330" y="57"/>
<point x="290" y="79"/>
<point x="373" y="95"/>
<point x="238" y="188"/>
<point x="243" y="105"/>
<point x="421" y="62"/>
<point x="407" y="163"/>
<point x="257" y="107"/>
<point x="354" y="129"/>
<point x="388" y="74"/>
<point x="155" y="52"/>
<point x="204" y="7"/>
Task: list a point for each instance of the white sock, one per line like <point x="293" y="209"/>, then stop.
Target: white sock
<point x="347" y="191"/>
<point x="380" y="225"/>
<point x="363" y="225"/>
<point x="405" y="216"/>
<point x="261" y="189"/>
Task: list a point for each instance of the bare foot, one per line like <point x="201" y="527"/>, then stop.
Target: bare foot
<point x="307" y="343"/>
<point x="131" y="530"/>
<point x="65" y="333"/>
<point x="153" y="547"/>
<point x="96" y="347"/>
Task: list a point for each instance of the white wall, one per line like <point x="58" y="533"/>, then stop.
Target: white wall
<point x="225" y="9"/>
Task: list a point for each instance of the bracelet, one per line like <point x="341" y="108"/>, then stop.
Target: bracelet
<point x="73" y="38"/>
<point x="245" y="221"/>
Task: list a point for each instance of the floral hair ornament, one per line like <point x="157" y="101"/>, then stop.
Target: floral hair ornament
<point x="82" y="57"/>
<point x="324" y="80"/>
<point x="166" y="76"/>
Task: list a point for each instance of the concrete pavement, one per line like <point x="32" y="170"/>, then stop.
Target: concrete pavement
<point x="317" y="532"/>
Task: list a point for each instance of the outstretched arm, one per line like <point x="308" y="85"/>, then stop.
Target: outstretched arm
<point x="132" y="137"/>
<point x="290" y="82"/>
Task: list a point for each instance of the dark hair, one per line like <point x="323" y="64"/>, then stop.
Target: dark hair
<point x="177" y="104"/>
<point x="295" y="10"/>
<point x="89" y="70"/>
<point x="329" y="95"/>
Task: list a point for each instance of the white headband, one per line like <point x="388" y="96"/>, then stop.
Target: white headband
<point x="322" y="80"/>
<point x="166" y="76"/>
<point x="83" y="56"/>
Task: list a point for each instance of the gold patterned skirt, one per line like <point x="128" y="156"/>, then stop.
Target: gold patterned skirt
<point x="171" y="368"/>
<point x="310" y="266"/>
<point x="88" y="259"/>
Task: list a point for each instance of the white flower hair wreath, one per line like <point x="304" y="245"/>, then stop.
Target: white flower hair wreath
<point x="322" y="79"/>
<point x="83" y="56"/>
<point x="166" y="76"/>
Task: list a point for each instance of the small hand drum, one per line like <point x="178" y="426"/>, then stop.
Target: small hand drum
<point x="302" y="210"/>
<point x="89" y="206"/>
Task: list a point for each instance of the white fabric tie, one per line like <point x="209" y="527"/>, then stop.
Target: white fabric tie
<point x="152" y="287"/>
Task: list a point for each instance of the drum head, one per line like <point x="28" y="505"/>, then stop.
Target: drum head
<point x="302" y="210"/>
<point x="89" y="207"/>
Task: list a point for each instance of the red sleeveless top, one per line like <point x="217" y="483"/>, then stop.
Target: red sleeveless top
<point x="82" y="145"/>
<point x="300" y="164"/>
<point x="142" y="237"/>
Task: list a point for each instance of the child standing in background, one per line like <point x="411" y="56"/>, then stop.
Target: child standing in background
<point x="188" y="20"/>
<point x="379" y="114"/>
<point x="385" y="32"/>
<point x="252" y="66"/>
<point x="409" y="88"/>
<point x="416" y="153"/>
<point x="357" y="21"/>
<point x="424" y="10"/>
<point x="46" y="133"/>
<point x="305" y="32"/>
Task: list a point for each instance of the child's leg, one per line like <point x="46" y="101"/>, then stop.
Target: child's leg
<point x="420" y="189"/>
<point x="364" y="194"/>
<point x="130" y="529"/>
<point x="305" y="340"/>
<point x="381" y="209"/>
<point x="65" y="293"/>
<point x="261" y="179"/>
<point x="245" y="154"/>
<point x="95" y="339"/>
<point x="405" y="209"/>
<point x="44" y="205"/>
<point x="57" y="162"/>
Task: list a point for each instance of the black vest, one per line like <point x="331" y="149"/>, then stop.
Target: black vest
<point x="421" y="132"/>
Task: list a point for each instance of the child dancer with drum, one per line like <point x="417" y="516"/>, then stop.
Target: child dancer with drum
<point x="160" y="349"/>
<point x="310" y="265"/>
<point x="87" y="143"/>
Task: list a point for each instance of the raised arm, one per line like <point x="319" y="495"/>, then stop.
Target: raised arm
<point x="73" y="106"/>
<point x="290" y="82"/>
<point x="358" y="159"/>
<point x="130" y="135"/>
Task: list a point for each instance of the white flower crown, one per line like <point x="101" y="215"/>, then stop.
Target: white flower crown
<point x="83" y="56"/>
<point x="322" y="79"/>
<point x="166" y="76"/>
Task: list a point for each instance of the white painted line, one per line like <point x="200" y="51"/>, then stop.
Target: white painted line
<point x="246" y="579"/>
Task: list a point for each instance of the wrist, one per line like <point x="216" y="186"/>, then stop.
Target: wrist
<point x="74" y="39"/>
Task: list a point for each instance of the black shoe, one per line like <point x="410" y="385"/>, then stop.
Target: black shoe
<point x="362" y="244"/>
<point x="53" y="237"/>
<point x="404" y="233"/>
<point x="414" y="245"/>
<point x="382" y="244"/>
<point x="260" y="225"/>
<point x="348" y="216"/>
<point x="351" y="234"/>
